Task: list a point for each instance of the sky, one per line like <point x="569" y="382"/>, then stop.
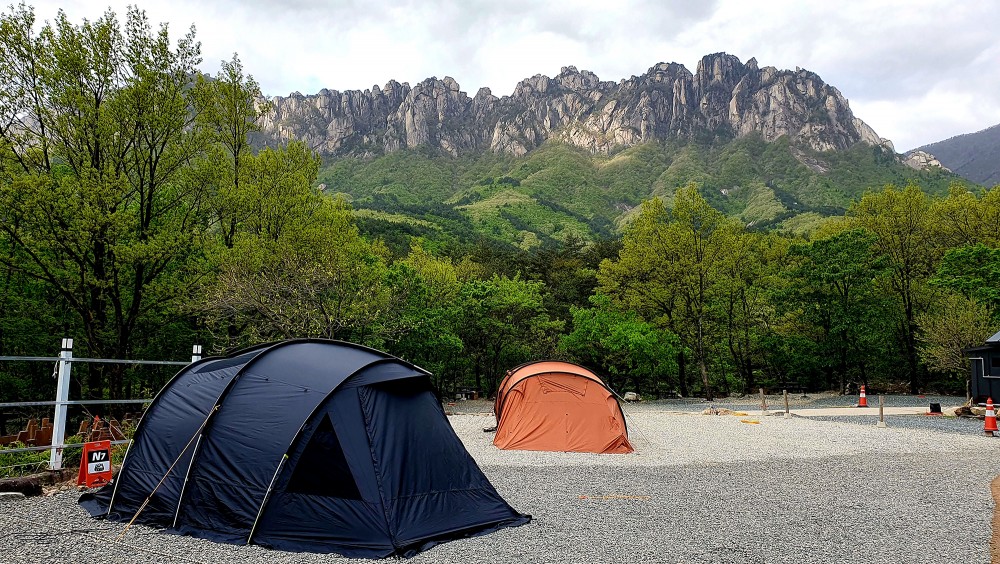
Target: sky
<point x="917" y="71"/>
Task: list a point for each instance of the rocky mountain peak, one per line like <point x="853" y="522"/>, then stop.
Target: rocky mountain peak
<point x="922" y="160"/>
<point x="724" y="96"/>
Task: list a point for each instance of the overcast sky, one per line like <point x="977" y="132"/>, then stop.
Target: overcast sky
<point x="917" y="71"/>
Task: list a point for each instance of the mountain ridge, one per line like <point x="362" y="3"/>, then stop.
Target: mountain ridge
<point x="975" y="156"/>
<point x="724" y="98"/>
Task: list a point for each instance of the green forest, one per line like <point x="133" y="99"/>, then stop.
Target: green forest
<point x="139" y="216"/>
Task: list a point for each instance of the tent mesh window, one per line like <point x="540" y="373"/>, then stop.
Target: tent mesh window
<point x="322" y="469"/>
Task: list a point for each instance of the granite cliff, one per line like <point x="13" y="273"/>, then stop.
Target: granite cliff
<point x="723" y="97"/>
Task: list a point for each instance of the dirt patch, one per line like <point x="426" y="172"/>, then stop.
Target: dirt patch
<point x="995" y="538"/>
<point x="723" y="411"/>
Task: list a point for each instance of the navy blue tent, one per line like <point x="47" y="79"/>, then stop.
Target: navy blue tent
<point x="304" y="445"/>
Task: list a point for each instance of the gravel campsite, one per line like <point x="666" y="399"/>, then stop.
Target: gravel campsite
<point x="742" y="487"/>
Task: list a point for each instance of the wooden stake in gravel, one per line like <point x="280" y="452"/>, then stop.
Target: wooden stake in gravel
<point x="995" y="537"/>
<point x="881" y="406"/>
<point x="788" y="415"/>
<point x="763" y="403"/>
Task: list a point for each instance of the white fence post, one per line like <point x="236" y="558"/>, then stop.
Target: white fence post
<point x="62" y="396"/>
<point x="195" y="353"/>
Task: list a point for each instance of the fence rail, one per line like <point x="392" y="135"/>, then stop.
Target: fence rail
<point x="79" y="402"/>
<point x="41" y="448"/>
<point x="64" y="364"/>
<point x="94" y="360"/>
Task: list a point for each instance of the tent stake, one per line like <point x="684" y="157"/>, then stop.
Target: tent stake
<point x="267" y="495"/>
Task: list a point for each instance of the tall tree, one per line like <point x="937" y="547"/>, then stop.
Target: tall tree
<point x="953" y="324"/>
<point x="310" y="274"/>
<point x="900" y="220"/>
<point x="835" y="288"/>
<point x="629" y="350"/>
<point x="642" y="280"/>
<point x="667" y="268"/>
<point x="504" y="323"/>
<point x="231" y="109"/>
<point x="431" y="333"/>
<point x="746" y="275"/>
<point x="96" y="125"/>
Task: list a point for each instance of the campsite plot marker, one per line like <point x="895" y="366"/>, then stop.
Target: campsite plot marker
<point x="95" y="464"/>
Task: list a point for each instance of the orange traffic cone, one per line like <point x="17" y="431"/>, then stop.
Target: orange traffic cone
<point x="990" y="424"/>
<point x="862" y="401"/>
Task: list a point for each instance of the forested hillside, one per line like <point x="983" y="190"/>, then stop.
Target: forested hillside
<point x="560" y="192"/>
<point x="138" y="218"/>
<point x="975" y="156"/>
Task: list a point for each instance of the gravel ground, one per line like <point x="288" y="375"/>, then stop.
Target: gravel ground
<point x="698" y="489"/>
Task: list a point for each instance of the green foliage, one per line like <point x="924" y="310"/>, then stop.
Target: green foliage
<point x="558" y="191"/>
<point x="22" y="463"/>
<point x="504" y="323"/>
<point x="974" y="272"/>
<point x="834" y="300"/>
<point x="633" y="353"/>
<point x="99" y="129"/>
<point x="952" y="325"/>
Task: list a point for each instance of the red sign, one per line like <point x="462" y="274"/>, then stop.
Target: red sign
<point x="95" y="464"/>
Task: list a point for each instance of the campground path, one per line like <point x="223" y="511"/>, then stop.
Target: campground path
<point x="726" y="489"/>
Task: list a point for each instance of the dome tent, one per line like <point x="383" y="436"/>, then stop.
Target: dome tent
<point x="304" y="445"/>
<point x="558" y="406"/>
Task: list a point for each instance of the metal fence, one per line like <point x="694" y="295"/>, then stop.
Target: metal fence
<point x="64" y="363"/>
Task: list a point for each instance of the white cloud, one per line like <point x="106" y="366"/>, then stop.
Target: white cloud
<point x="916" y="70"/>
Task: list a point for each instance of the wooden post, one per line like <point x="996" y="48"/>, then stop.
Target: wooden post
<point x="763" y="403"/>
<point x="881" y="417"/>
<point x="788" y="414"/>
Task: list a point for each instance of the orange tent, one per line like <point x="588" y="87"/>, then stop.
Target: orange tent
<point x="558" y="406"/>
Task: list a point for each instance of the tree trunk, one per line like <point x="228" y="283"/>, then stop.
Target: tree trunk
<point x="702" y="367"/>
<point x="704" y="379"/>
<point x="681" y="363"/>
<point x="911" y="352"/>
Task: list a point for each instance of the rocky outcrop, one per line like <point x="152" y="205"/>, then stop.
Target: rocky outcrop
<point x="723" y="97"/>
<point x="921" y="160"/>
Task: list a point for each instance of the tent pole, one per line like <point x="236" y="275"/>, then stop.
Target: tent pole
<point x="180" y="498"/>
<point x="267" y="495"/>
<point x="121" y="469"/>
<point x="121" y="535"/>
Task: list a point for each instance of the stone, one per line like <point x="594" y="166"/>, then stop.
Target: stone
<point x="922" y="160"/>
<point x="631" y="396"/>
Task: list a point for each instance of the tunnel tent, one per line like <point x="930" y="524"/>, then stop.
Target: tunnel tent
<point x="558" y="406"/>
<point x="304" y="445"/>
